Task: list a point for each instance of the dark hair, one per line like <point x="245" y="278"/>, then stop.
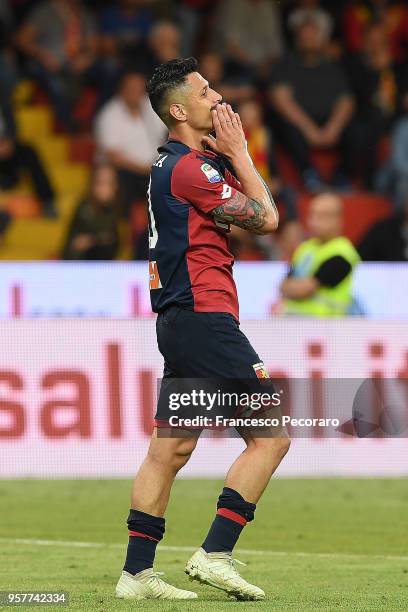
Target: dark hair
<point x="166" y="77"/>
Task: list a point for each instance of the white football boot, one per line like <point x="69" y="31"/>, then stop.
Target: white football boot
<point x="217" y="569"/>
<point x="148" y="585"/>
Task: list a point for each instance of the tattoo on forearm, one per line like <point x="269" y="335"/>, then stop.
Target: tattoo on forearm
<point x="242" y="211"/>
<point x="268" y="191"/>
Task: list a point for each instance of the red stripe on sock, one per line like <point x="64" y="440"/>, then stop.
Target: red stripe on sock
<point x="233" y="516"/>
<point x="142" y="535"/>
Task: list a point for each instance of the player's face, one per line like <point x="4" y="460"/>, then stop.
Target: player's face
<point x="201" y="100"/>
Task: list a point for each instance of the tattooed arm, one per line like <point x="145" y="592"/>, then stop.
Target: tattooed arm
<point x="242" y="211"/>
<point x="254" y="209"/>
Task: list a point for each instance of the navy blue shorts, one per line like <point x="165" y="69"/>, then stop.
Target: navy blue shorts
<point x="203" y="345"/>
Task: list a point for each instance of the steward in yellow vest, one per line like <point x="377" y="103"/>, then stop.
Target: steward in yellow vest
<point x="319" y="283"/>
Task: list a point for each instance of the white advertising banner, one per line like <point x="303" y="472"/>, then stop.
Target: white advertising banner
<point x="120" y="289"/>
<point x="77" y="396"/>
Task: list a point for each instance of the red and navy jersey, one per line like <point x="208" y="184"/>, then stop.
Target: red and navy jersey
<point x="190" y="263"/>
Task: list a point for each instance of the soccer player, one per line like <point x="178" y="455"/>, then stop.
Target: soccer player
<point x="199" y="185"/>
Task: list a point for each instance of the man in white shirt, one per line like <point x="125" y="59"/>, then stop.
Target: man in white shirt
<point x="128" y="134"/>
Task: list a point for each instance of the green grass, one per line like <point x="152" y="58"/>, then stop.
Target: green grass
<point x="361" y="524"/>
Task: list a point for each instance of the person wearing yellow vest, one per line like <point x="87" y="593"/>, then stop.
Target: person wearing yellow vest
<point x="319" y="283"/>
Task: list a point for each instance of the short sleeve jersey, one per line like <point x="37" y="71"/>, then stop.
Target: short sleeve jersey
<point x="190" y="263"/>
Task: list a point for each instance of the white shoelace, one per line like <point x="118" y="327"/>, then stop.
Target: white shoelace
<point x="231" y="566"/>
<point x="156" y="575"/>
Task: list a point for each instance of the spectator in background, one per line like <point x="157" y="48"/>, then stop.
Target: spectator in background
<point x="248" y="34"/>
<point x="123" y="31"/>
<point x="393" y="16"/>
<point x="163" y="45"/>
<point x="260" y="147"/>
<point x="326" y="16"/>
<point x="191" y="14"/>
<point x="124" y="27"/>
<point x="393" y="177"/>
<point x="128" y="133"/>
<point x="17" y="157"/>
<point x="93" y="233"/>
<point x="319" y="282"/>
<point x="59" y="39"/>
<point x="387" y="240"/>
<point x="306" y="10"/>
<point x="377" y="86"/>
<point x="212" y="68"/>
<point x="312" y="99"/>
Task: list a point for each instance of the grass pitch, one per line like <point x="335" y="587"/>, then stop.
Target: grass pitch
<point x="331" y="544"/>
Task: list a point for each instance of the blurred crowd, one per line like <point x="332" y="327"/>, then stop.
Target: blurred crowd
<point x="305" y="75"/>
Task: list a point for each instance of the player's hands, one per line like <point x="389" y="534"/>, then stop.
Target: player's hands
<point x="229" y="136"/>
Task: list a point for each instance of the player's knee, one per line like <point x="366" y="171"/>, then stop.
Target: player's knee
<point x="179" y="460"/>
<point x="184" y="452"/>
<point x="273" y="446"/>
<point x="284" y="446"/>
<point x="281" y="446"/>
<point x="174" y="456"/>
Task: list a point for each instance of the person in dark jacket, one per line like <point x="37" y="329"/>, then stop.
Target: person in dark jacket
<point x="378" y="86"/>
<point x="94" y="230"/>
<point x="17" y="157"/>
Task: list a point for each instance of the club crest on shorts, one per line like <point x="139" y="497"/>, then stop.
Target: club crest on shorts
<point x="260" y="370"/>
<point x="211" y="173"/>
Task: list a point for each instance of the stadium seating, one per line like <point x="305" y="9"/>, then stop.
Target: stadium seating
<point x="68" y="158"/>
<point x="31" y="236"/>
<point x="361" y="208"/>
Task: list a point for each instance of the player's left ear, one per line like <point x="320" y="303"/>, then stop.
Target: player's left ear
<point x="178" y="112"/>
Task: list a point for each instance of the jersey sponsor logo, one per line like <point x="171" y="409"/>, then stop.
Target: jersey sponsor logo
<point x="211" y="173"/>
<point x="226" y="191"/>
<point x="154" y="278"/>
<point x="260" y="370"/>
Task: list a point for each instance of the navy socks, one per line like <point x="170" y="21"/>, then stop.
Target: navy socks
<point x="145" y="532"/>
<point x="233" y="513"/>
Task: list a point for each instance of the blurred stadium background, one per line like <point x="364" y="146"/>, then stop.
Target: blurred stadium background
<point x="78" y="359"/>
